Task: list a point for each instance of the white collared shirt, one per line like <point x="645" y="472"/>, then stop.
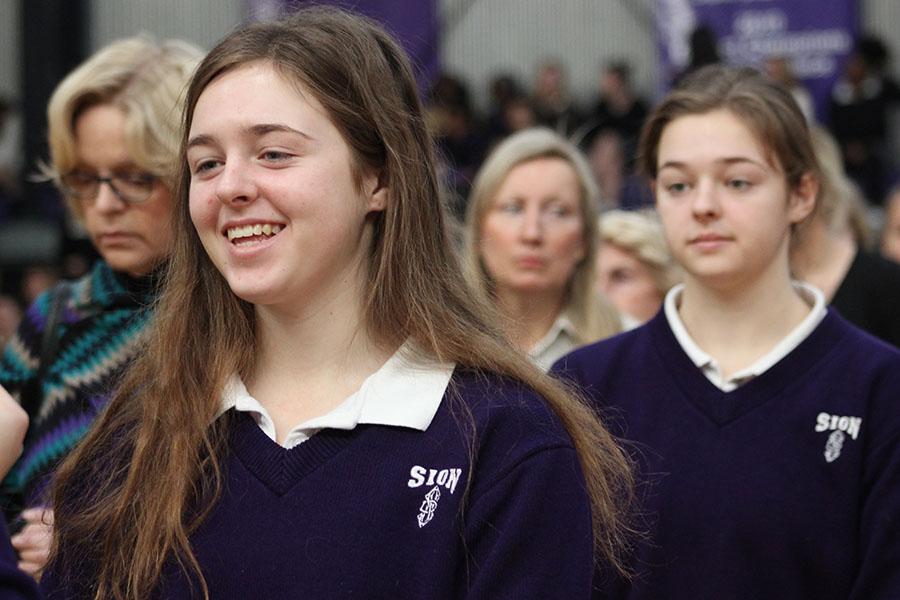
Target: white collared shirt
<point x="706" y="363"/>
<point x="556" y="343"/>
<point x="405" y="392"/>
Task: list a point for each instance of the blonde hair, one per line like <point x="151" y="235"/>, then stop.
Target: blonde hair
<point x="592" y="317"/>
<point x="143" y="78"/>
<point x="640" y="234"/>
<point x="841" y="203"/>
<point x="203" y="332"/>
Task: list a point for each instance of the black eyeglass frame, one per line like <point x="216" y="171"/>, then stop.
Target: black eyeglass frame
<point x="143" y="180"/>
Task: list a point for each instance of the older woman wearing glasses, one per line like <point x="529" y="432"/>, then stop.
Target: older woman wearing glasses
<point x="113" y="139"/>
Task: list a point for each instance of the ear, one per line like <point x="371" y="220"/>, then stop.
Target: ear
<point x="803" y="198"/>
<point x="376" y="191"/>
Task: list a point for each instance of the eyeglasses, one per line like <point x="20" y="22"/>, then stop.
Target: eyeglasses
<point x="131" y="188"/>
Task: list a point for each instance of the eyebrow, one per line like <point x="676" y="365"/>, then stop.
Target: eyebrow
<point x="258" y="130"/>
<point x="730" y="160"/>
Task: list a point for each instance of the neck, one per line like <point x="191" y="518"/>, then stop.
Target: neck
<point x="529" y="317"/>
<point x="324" y="344"/>
<point x="824" y="256"/>
<point x="736" y="325"/>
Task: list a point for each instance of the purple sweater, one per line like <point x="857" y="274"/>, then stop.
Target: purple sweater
<point x="375" y="512"/>
<point x="787" y="487"/>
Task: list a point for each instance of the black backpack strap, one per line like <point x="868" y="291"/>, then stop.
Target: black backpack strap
<point x="33" y="396"/>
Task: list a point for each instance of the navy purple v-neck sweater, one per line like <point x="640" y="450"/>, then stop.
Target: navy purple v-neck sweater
<point x="787" y="487"/>
<point x="375" y="512"/>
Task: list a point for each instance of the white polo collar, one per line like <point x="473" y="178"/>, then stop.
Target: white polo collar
<point x="405" y="392"/>
<point x="705" y="362"/>
<point x="556" y="343"/>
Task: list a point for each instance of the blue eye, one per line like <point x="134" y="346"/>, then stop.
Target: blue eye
<point x="205" y="165"/>
<point x="510" y="208"/>
<point x="739" y="184"/>
<point x="558" y="211"/>
<point x="275" y="156"/>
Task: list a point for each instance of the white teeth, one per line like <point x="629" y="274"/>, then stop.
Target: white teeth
<point x="266" y="229"/>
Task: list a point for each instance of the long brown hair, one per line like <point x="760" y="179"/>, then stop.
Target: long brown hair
<point x="153" y="459"/>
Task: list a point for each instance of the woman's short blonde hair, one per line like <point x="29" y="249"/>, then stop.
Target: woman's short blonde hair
<point x="640" y="233"/>
<point x="143" y="78"/>
<point x="588" y="313"/>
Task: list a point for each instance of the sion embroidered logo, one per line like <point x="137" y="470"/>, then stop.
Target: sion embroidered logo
<point x="419" y="476"/>
<point x="840" y="427"/>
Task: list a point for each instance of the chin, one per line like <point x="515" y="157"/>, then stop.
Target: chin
<point x="128" y="265"/>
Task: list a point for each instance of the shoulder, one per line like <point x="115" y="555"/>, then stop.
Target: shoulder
<point x="509" y="427"/>
<point x="853" y="344"/>
<point x="861" y="367"/>
<point x="606" y="357"/>
<point x="504" y="407"/>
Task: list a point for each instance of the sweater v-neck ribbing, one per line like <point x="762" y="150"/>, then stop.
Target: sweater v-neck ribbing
<point x="279" y="468"/>
<point x="722" y="407"/>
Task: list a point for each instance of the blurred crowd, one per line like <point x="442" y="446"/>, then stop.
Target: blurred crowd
<point x="605" y="128"/>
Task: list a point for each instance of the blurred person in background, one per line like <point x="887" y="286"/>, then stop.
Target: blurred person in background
<point x="634" y="267"/>
<point x="858" y="115"/>
<point x="113" y="137"/>
<point x="619" y="186"/>
<point x="890" y="233"/>
<point x="778" y="69"/>
<point x="829" y="251"/>
<point x="504" y="89"/>
<point x="620" y="109"/>
<point x="704" y="50"/>
<point x="10" y="316"/>
<point x="530" y="245"/>
<point x="36" y="280"/>
<point x="552" y="100"/>
<point x="458" y="135"/>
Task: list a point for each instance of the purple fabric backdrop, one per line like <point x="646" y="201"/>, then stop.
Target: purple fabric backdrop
<point x="415" y="24"/>
<point x="814" y="35"/>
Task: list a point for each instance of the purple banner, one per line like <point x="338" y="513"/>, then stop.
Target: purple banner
<point x="813" y="36"/>
<point x="414" y="24"/>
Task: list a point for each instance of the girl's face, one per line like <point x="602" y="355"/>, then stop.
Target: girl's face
<point x="726" y="211"/>
<point x="272" y="193"/>
<point x="627" y="282"/>
<point x="532" y="236"/>
<point x="132" y="237"/>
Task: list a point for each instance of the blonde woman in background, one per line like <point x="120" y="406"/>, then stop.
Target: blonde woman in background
<point x="530" y="245"/>
<point x="113" y="135"/>
<point x="830" y="251"/>
<point x="634" y="267"/>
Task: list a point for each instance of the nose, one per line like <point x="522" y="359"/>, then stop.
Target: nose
<point x="107" y="201"/>
<point x="705" y="200"/>
<point x="532" y="227"/>
<point x="235" y="183"/>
